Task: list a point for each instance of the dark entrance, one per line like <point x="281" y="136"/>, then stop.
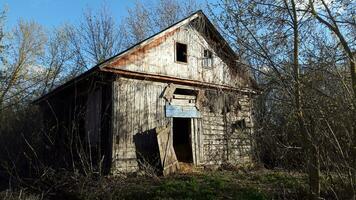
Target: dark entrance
<point x="182" y="139"/>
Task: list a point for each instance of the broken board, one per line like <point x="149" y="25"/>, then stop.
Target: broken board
<point x="166" y="151"/>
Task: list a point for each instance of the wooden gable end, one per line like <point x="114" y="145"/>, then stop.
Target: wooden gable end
<point x="157" y="56"/>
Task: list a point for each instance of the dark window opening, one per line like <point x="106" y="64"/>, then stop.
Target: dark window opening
<point x="181" y="52"/>
<point x="241" y="124"/>
<point x="208" y="54"/>
<point x="185" y="91"/>
<point x="207" y="58"/>
<point x="182" y="139"/>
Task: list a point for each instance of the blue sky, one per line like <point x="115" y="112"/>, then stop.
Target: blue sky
<point x="51" y="13"/>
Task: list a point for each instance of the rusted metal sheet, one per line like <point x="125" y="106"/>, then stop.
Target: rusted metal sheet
<point x="167" y="154"/>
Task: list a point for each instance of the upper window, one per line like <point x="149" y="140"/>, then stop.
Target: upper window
<point x="207" y="58"/>
<point x="181" y="52"/>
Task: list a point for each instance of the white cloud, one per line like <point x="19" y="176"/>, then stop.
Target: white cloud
<point x="335" y="6"/>
<point x="35" y="69"/>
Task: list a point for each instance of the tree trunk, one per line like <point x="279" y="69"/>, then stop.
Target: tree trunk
<point x="353" y="73"/>
<point x="312" y="152"/>
<point x="314" y="164"/>
<point x="353" y="148"/>
<point x="314" y="172"/>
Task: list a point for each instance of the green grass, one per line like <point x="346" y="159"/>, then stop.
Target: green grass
<point x="216" y="185"/>
<point x="208" y="185"/>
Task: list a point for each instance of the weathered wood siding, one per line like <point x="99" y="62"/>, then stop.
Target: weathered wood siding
<point x="122" y="116"/>
<point x="93" y="117"/>
<point x="158" y="57"/>
<point x="222" y="140"/>
<point x="137" y="108"/>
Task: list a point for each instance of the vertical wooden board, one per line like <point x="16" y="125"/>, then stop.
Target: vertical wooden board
<point x="161" y="103"/>
<point x="152" y="108"/>
<point x="93" y="117"/>
<point x="167" y="154"/>
<point x="192" y="140"/>
<point x="113" y="122"/>
<point x="200" y="142"/>
<point x="125" y="157"/>
<point x="145" y="110"/>
<point x="139" y="108"/>
<point x="119" y="122"/>
<point x="197" y="135"/>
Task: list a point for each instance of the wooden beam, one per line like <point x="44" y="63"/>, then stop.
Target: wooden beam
<point x="169" y="79"/>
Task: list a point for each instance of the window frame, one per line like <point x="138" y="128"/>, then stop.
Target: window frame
<point x="203" y="58"/>
<point x="175" y="53"/>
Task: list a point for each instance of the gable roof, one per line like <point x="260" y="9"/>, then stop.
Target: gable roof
<point x="192" y="17"/>
<point x="98" y="67"/>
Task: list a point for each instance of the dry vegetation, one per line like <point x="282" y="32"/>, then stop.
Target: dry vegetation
<point x="302" y="54"/>
<point x="221" y="184"/>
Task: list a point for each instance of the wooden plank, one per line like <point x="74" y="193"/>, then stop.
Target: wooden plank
<point x="200" y="142"/>
<point x="166" y="151"/>
<point x="168" y="92"/>
<point x="93" y="117"/>
<point x="182" y="111"/>
<point x="192" y="140"/>
<point x="181" y="96"/>
<point x="182" y="102"/>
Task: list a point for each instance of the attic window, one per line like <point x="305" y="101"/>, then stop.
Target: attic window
<point x="207" y="58"/>
<point x="181" y="52"/>
<point x="182" y="91"/>
<point x="240" y="124"/>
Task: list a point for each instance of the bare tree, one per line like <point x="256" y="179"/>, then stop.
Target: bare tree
<point x="168" y="12"/>
<point x="26" y="47"/>
<point x="271" y="35"/>
<point x="137" y="24"/>
<point x="309" y="135"/>
<point x="2" y="46"/>
<point x="342" y="23"/>
<point x="58" y="59"/>
<point x="144" y="20"/>
<point x="339" y="18"/>
<point x="303" y="70"/>
<point x="96" y="39"/>
<point x="2" y="34"/>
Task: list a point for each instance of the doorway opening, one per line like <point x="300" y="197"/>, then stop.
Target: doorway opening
<point x="182" y="139"/>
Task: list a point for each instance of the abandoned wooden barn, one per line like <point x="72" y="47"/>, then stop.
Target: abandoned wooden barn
<point x="179" y="96"/>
